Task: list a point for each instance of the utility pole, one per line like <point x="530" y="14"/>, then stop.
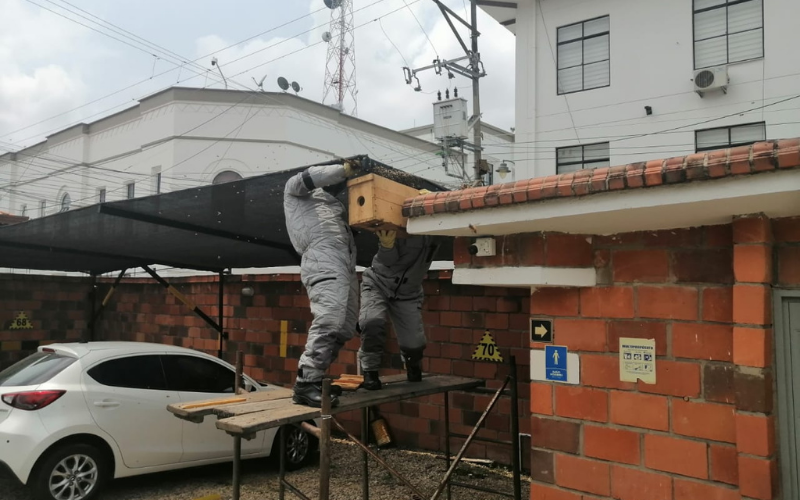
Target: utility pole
<point x="473" y="70"/>
<point x="476" y="89"/>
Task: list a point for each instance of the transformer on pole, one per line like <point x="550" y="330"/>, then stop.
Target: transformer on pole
<point x="469" y="66"/>
<point x="339" y="89"/>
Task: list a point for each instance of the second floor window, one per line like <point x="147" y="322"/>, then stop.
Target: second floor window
<point x="728" y="137"/>
<point x="727" y="31"/>
<point x="584" y="59"/>
<point x="574" y="158"/>
<point x="66" y="203"/>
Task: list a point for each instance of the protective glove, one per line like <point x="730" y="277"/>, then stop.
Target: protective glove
<point x="350" y="168"/>
<point x="424" y="191"/>
<point x="387" y="238"/>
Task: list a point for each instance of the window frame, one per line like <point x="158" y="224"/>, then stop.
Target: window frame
<point x="730" y="144"/>
<point x="214" y="181"/>
<point x="65" y="197"/>
<point x="583" y="38"/>
<point x="128" y="358"/>
<point x="167" y="359"/>
<point x="583" y="156"/>
<point x="726" y="4"/>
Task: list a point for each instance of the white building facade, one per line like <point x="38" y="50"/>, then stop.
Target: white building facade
<point x="610" y="82"/>
<point x="182" y="138"/>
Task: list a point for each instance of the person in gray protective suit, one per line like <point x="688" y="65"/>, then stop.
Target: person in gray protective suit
<point x="316" y="224"/>
<point x="392" y="287"/>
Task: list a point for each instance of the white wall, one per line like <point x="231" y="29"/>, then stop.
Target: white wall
<point x="249" y="138"/>
<point x="651" y="45"/>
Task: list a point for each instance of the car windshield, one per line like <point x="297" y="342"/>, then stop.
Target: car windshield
<point x="36" y="369"/>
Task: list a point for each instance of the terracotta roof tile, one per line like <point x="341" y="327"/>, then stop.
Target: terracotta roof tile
<point x="6" y="219"/>
<point x="634" y="175"/>
<point x="788" y="153"/>
<point x="697" y="167"/>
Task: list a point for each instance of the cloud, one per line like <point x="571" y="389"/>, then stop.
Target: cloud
<point x="49" y="65"/>
<point x="383" y="96"/>
<point x="31" y="87"/>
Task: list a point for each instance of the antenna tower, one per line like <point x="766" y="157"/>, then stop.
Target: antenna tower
<point x="339" y="90"/>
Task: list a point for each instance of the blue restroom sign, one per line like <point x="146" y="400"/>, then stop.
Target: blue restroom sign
<point x="555" y="363"/>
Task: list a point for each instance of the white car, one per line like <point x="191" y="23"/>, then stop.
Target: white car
<point x="74" y="416"/>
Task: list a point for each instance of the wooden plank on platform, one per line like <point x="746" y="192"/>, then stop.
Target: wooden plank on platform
<point x="191" y="411"/>
<point x="286" y="412"/>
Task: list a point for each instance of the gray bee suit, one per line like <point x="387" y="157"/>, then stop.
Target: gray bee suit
<point x="319" y="233"/>
<point x="393" y="287"/>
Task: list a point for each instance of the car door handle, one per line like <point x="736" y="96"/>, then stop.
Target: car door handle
<point x="106" y="404"/>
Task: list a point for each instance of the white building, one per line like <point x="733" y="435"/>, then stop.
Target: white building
<point x="182" y="137"/>
<point x="613" y="81"/>
<point x="495" y="142"/>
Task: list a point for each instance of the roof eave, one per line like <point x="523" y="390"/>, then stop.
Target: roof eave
<point x="776" y="194"/>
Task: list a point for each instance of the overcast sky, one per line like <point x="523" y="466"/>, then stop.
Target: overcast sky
<point x="50" y="65"/>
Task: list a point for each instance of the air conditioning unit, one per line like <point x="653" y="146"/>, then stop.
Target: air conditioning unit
<point x="711" y="79"/>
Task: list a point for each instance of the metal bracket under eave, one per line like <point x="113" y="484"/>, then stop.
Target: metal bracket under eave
<point x="184" y="299"/>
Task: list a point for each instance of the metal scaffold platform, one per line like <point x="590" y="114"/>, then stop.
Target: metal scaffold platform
<point x="243" y="415"/>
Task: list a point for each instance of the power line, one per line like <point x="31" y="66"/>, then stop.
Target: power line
<point x="393" y="45"/>
<point x="235" y="60"/>
<point x="168" y="71"/>
<point x="260" y="96"/>
<point x="364" y="145"/>
<point x="555" y="64"/>
<point x="422" y="28"/>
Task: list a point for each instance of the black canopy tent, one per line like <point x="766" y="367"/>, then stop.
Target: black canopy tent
<point x="239" y="224"/>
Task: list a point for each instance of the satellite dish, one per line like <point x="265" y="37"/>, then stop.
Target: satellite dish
<point x="326" y="37"/>
<point x="333" y="4"/>
<point x="283" y="83"/>
<point x="296" y="87"/>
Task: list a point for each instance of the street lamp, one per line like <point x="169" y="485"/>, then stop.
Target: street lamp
<point x="215" y="62"/>
<point x="503" y="170"/>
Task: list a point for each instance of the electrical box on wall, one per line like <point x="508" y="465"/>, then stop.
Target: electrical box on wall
<point x="450" y="119"/>
<point x="483" y="247"/>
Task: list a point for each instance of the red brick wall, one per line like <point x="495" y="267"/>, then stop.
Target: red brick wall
<point x="56" y="307"/>
<point x="706" y="428"/>
<point x="456" y="317"/>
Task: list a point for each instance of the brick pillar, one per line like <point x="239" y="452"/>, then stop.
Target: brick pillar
<point x="753" y="356"/>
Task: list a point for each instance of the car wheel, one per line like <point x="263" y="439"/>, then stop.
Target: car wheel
<point x="300" y="447"/>
<point x="72" y="472"/>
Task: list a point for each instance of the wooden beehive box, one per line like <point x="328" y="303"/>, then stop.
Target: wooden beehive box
<point x="376" y="203"/>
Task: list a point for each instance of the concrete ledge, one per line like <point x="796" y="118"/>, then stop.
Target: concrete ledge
<point x="526" y="277"/>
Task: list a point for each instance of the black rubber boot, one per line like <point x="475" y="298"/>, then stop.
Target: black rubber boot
<point x="413" y="361"/>
<point x="310" y="394"/>
<point x="371" y="381"/>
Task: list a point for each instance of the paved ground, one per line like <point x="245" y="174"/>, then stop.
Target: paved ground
<point x="260" y="480"/>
